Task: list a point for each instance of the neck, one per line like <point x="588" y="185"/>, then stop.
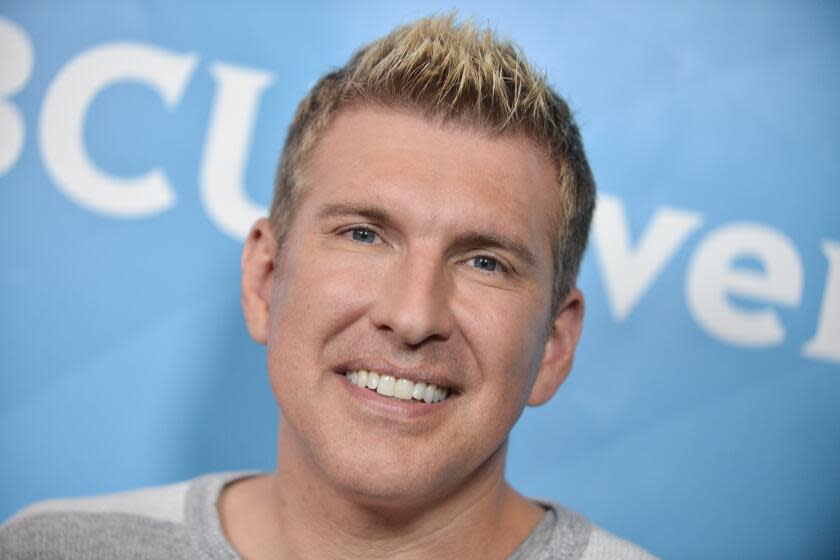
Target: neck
<point x="296" y="513"/>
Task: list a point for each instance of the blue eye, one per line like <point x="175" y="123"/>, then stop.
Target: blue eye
<point x="487" y="264"/>
<point x="363" y="235"/>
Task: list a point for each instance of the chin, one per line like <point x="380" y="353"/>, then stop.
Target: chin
<point x="389" y="483"/>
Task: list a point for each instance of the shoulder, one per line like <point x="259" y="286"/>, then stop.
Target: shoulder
<point x="566" y="534"/>
<point x="113" y="526"/>
<point x="165" y="503"/>
<point x="603" y="545"/>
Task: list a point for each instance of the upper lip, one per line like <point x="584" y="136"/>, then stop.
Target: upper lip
<point x="414" y="374"/>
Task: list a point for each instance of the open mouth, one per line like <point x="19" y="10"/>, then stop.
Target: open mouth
<point x="397" y="387"/>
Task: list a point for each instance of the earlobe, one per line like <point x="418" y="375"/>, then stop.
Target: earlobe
<point x="559" y="350"/>
<point x="258" y="257"/>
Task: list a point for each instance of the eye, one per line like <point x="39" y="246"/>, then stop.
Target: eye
<point x="363" y="234"/>
<point x="485" y="263"/>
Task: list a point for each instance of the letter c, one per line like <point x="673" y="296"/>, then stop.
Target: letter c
<point x="61" y="127"/>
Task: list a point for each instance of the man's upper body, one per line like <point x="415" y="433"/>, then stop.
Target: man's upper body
<point x="182" y="521"/>
<point x="415" y="288"/>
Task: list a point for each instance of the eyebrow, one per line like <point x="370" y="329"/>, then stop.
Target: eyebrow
<point x="467" y="240"/>
<point x="372" y="213"/>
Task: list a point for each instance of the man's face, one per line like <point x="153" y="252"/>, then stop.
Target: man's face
<point x="423" y="253"/>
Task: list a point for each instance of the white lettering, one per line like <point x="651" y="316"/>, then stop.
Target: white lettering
<point x="826" y="342"/>
<point x="228" y="142"/>
<point x="711" y="278"/>
<point x="15" y="68"/>
<point x="62" y="125"/>
<point x="628" y="273"/>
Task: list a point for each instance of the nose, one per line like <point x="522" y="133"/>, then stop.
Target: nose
<point x="414" y="301"/>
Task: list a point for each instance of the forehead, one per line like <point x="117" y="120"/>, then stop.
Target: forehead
<point x="447" y="176"/>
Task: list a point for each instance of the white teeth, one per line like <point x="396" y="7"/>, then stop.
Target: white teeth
<point x="390" y="386"/>
<point x="363" y="378"/>
<point x="419" y="389"/>
<point x="386" y="385"/>
<point x="404" y="389"/>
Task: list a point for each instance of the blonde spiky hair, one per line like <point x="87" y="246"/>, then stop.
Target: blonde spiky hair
<point x="455" y="73"/>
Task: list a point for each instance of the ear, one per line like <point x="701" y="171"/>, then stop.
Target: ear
<point x="257" y="278"/>
<point x="559" y="349"/>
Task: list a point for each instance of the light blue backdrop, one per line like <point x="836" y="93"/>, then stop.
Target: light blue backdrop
<point x="702" y="418"/>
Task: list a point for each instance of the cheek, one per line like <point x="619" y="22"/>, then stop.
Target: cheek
<point x="502" y="340"/>
<point x="316" y="295"/>
<point x="506" y="335"/>
<point x="505" y="322"/>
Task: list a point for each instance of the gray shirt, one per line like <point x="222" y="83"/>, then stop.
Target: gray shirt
<point x="182" y="521"/>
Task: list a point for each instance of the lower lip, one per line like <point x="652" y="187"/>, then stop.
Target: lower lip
<point x="393" y="407"/>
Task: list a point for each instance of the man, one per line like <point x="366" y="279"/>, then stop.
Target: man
<point x="414" y="285"/>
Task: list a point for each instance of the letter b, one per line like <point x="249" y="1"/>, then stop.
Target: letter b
<point x="15" y="69"/>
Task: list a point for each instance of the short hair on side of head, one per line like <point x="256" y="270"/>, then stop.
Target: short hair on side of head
<point x="454" y="73"/>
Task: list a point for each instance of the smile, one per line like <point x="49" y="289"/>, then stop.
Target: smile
<point x="397" y="387"/>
